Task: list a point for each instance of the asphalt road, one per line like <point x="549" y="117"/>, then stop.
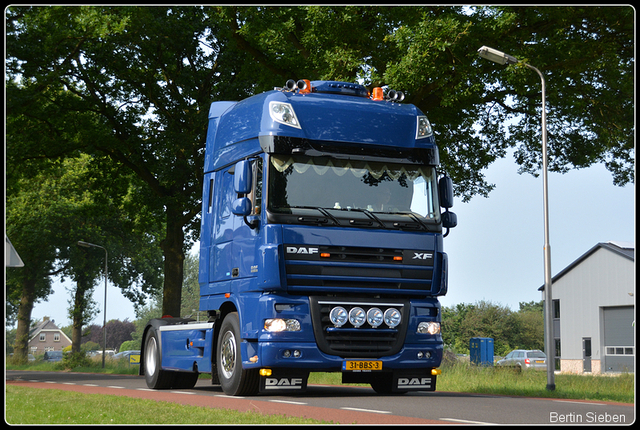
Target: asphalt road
<point x="346" y="404"/>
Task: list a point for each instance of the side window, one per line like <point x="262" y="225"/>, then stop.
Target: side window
<point x="256" y="193"/>
<point x="210" y="203"/>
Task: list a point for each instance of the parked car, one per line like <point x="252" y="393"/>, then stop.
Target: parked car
<point x="52" y="356"/>
<point x="524" y="359"/>
<point x="125" y="354"/>
<point x="30" y="357"/>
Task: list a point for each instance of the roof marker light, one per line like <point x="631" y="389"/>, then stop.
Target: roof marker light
<point x="378" y="94"/>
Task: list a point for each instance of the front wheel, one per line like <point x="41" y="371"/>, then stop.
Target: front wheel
<point x="234" y="380"/>
<point x="382" y="383"/>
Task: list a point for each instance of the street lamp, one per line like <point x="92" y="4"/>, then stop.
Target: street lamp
<point x="502" y="58"/>
<point x="104" y="325"/>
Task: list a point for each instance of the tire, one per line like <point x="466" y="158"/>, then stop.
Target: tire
<point x="234" y="380"/>
<point x="383" y="384"/>
<point x="156" y="378"/>
<point x="184" y="380"/>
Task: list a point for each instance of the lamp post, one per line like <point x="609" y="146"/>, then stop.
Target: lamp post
<point x="104" y="325"/>
<point x="502" y="58"/>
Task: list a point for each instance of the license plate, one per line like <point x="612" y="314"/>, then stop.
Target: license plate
<point x="539" y="361"/>
<point x="355" y="365"/>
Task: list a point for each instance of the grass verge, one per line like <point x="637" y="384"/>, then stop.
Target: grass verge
<point x="25" y="405"/>
<point x="462" y="377"/>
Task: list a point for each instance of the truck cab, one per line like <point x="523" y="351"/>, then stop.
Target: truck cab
<point x="321" y="246"/>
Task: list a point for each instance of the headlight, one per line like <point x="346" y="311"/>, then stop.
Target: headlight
<point x="276" y="325"/>
<point x="338" y="316"/>
<point x="392" y="317"/>
<point x="357" y="316"/>
<point x="284" y="114"/>
<point x="375" y="317"/>
<point x="428" y="328"/>
<point x="424" y="128"/>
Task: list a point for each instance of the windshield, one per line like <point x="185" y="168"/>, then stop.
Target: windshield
<point x="330" y="185"/>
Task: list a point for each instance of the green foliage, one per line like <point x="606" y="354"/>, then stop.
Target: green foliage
<point x="74" y="360"/>
<point x="131" y="87"/>
<point x="509" y="330"/>
<point x="129" y="345"/>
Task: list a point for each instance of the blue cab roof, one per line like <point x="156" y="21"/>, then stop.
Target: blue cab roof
<point x="335" y="113"/>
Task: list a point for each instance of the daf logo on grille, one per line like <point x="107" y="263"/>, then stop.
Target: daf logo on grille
<point x="301" y="250"/>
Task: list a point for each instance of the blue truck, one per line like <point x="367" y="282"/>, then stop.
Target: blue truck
<point x="321" y="246"/>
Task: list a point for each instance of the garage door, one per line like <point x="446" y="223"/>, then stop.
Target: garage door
<point x="619" y="343"/>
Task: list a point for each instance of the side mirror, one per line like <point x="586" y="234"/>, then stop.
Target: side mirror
<point x="449" y="219"/>
<point x="241" y="207"/>
<point x="445" y="190"/>
<point x="242" y="177"/>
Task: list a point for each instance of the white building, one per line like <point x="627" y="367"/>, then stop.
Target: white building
<point x="594" y="311"/>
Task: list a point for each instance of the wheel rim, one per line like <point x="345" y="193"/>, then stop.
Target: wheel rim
<point x="150" y="358"/>
<point x="228" y="354"/>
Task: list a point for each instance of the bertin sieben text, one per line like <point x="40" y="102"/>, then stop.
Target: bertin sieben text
<point x="587" y="418"/>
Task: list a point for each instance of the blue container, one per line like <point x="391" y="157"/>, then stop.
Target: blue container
<point x="481" y="351"/>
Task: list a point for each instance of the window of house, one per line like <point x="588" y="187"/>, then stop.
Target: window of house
<point x="556" y="308"/>
<point x="43" y="337"/>
<point x="56" y="337"/>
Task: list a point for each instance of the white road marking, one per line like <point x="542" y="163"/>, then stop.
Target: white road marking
<point x="455" y="420"/>
<point x="289" y="402"/>
<point x="367" y="410"/>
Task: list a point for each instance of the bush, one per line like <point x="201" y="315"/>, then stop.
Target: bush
<point x="73" y="360"/>
<point x="129" y="345"/>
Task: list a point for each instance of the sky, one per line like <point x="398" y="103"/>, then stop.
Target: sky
<point x="496" y="251"/>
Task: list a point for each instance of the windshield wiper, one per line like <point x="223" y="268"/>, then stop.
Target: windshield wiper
<point x="322" y="210"/>
<point x="412" y="225"/>
<point x="367" y="213"/>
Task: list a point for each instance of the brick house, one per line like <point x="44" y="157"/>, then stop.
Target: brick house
<point x="46" y="336"/>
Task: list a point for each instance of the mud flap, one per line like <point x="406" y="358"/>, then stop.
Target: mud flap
<point x="405" y="381"/>
<point x="283" y="381"/>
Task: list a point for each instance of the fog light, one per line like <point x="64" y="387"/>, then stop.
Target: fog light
<point x="338" y="316"/>
<point x="357" y="316"/>
<point x="375" y="317"/>
<point x="419" y="355"/>
<point x="296" y="353"/>
<point x="392" y="317"/>
<point x="265" y="372"/>
<point x="286" y="353"/>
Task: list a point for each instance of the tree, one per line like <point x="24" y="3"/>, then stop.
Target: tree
<point x="509" y="330"/>
<point x="117" y="333"/>
<point x="152" y="91"/>
<point x="47" y="213"/>
<point x="190" y="287"/>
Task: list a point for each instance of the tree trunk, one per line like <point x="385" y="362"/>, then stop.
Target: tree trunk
<point x="172" y="247"/>
<point x="78" y="320"/>
<point x="21" y="344"/>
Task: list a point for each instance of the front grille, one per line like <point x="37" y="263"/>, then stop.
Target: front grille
<point x="364" y="342"/>
<point x="354" y="267"/>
